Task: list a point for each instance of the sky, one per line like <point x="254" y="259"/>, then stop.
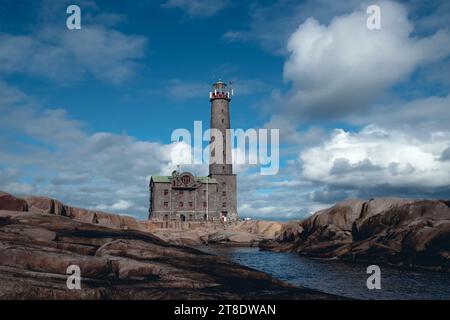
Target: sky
<point x="86" y="115"/>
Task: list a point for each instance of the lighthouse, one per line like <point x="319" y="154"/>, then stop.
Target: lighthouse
<point x="183" y="197"/>
<point x="220" y="98"/>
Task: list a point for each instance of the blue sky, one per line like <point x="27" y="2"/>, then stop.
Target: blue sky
<point x="87" y="114"/>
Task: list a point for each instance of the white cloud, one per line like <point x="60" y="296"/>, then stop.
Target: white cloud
<point x="45" y="152"/>
<point x="121" y="206"/>
<point x="420" y="116"/>
<point x="342" y="67"/>
<point x="62" y="55"/>
<point x="445" y="156"/>
<point x="375" y="157"/>
<point x="271" y="23"/>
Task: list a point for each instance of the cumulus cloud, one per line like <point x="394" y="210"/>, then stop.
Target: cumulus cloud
<point x="325" y="195"/>
<point x="419" y="116"/>
<point x="61" y="55"/>
<point x="376" y="157"/>
<point x="46" y="152"/>
<point x="198" y="8"/>
<point x="342" y="67"/>
<point x="445" y="156"/>
<point x="343" y="166"/>
<point x="52" y="51"/>
<point x="272" y="23"/>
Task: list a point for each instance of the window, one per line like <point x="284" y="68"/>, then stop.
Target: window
<point x="224" y="204"/>
<point x="223" y="120"/>
<point x="181" y="193"/>
<point x="204" y="192"/>
<point x="190" y="204"/>
<point x="224" y="193"/>
<point x="186" y="180"/>
<point x="166" y="204"/>
<point x="204" y="204"/>
<point x="181" y="204"/>
<point x="166" y="192"/>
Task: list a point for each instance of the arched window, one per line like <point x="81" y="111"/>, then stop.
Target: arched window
<point x="186" y="180"/>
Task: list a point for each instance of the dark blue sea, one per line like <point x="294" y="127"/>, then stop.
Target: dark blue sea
<point x="340" y="278"/>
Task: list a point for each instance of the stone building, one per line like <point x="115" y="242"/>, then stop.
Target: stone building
<point x="184" y="197"/>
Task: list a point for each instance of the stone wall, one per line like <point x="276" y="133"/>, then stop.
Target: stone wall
<point x="173" y="212"/>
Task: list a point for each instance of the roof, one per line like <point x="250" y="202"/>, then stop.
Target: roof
<point x="166" y="179"/>
<point x="206" y="180"/>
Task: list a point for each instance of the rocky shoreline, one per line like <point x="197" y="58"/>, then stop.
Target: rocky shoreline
<point x="399" y="232"/>
<point x="116" y="261"/>
<point x="121" y="258"/>
<point x="242" y="234"/>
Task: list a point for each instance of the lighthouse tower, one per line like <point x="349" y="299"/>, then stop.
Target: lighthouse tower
<point x="220" y="97"/>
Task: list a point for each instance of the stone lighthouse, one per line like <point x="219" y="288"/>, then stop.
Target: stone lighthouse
<point x="183" y="197"/>
<point x="222" y="171"/>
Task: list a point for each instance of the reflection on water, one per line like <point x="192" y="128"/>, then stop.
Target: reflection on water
<point x="340" y="278"/>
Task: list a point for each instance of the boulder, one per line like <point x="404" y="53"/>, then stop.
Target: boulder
<point x="232" y="237"/>
<point x="52" y="206"/>
<point x="290" y="232"/>
<point x="395" y="231"/>
<point x="103" y="219"/>
<point x="194" y="237"/>
<point x="413" y="233"/>
<point x="323" y="232"/>
<point x="46" y="205"/>
<point x="12" y="203"/>
<point x="266" y="229"/>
